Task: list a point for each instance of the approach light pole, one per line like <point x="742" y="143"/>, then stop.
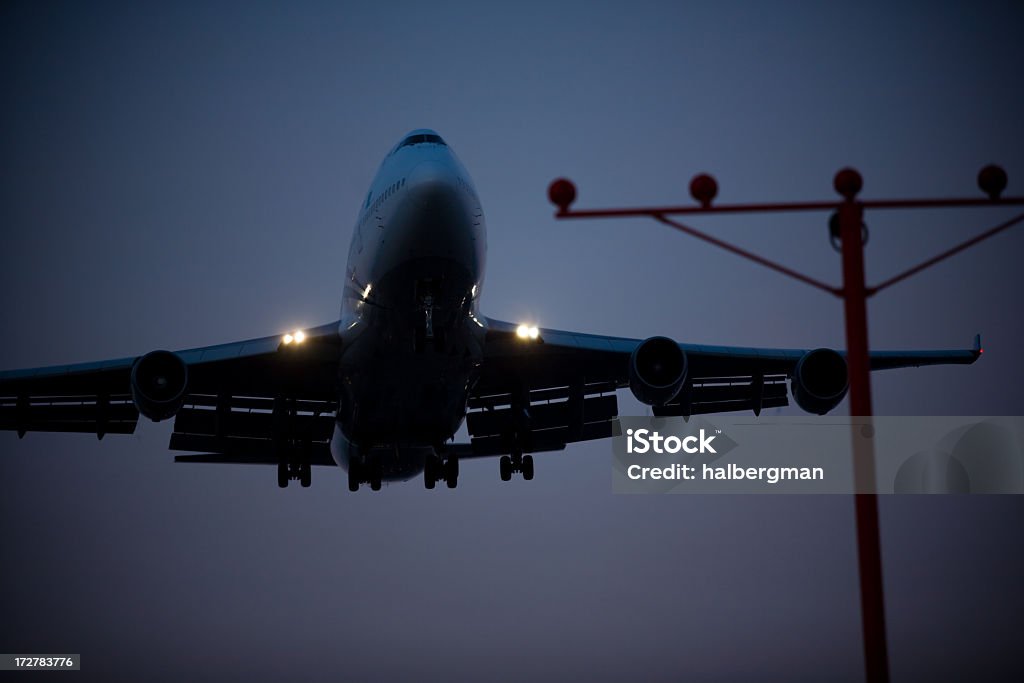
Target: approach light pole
<point x="846" y="227"/>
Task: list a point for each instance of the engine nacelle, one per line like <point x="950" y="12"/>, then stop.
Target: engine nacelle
<point x="657" y="371"/>
<point x="159" y="381"/>
<point x="819" y="381"/>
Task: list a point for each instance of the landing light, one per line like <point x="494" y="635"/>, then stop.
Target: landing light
<point x="296" y="337"/>
<point x="527" y="332"/>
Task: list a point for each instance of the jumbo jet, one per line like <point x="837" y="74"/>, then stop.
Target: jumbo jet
<point x="382" y="392"/>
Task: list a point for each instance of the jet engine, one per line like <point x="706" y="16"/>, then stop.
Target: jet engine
<point x="657" y="371"/>
<point x="159" y="380"/>
<point x="819" y="381"/>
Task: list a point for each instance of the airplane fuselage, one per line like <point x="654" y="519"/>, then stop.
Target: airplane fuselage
<point x="412" y="337"/>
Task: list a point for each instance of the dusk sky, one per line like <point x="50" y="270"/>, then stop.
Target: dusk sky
<point x="182" y="174"/>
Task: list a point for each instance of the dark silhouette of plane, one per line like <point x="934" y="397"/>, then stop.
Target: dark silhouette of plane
<point x="382" y="391"/>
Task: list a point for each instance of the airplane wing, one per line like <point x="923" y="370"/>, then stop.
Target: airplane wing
<point x="231" y="406"/>
<point x="537" y="395"/>
<point x="540" y="394"/>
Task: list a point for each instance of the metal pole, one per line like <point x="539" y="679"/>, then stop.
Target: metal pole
<point x="869" y="550"/>
<point x="992" y="180"/>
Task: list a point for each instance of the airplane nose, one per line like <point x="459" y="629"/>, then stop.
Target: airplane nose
<point x="437" y="220"/>
<point x="432" y="172"/>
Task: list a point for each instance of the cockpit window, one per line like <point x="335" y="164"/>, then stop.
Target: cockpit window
<point x="421" y="138"/>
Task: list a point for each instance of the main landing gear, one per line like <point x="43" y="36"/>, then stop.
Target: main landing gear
<point x="286" y="471"/>
<point x="294" y="449"/>
<point x="435" y="470"/>
<point x="516" y="462"/>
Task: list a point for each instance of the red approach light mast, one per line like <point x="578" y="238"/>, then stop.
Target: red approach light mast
<point x="846" y="229"/>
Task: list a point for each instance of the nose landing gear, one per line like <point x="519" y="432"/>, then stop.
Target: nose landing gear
<point x="435" y="469"/>
<point x="428" y="314"/>
<point x="429" y="335"/>
<point x="369" y="471"/>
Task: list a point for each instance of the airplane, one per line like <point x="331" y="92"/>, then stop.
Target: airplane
<point x="382" y="391"/>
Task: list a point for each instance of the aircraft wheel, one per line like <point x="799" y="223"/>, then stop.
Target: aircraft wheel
<point x="451" y="471"/>
<point x="375" y="476"/>
<point x="282" y="475"/>
<point x="306" y="475"/>
<point x="505" y="467"/>
<point x="527" y="467"/>
<point x="430" y="472"/>
<point x="353" y="477"/>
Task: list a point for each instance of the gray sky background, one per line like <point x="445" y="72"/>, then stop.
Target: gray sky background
<point x="186" y="174"/>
